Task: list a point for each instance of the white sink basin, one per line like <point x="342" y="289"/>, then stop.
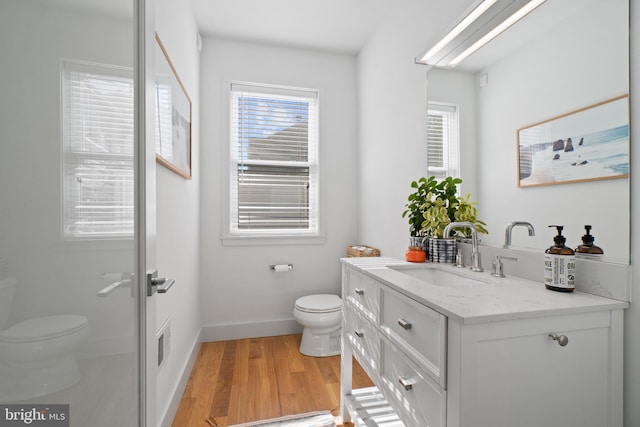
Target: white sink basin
<point x="438" y="277"/>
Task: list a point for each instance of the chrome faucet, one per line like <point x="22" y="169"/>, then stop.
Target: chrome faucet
<point x="507" y="231"/>
<point x="475" y="255"/>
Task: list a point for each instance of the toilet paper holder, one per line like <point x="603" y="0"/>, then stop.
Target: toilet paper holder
<point x="280" y="268"/>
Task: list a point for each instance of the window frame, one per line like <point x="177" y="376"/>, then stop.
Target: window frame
<point x="452" y="143"/>
<point x="231" y="234"/>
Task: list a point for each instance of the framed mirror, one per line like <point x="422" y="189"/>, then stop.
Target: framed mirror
<point x="564" y="56"/>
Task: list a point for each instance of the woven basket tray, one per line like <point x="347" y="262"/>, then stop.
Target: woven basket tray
<point x="362" y="251"/>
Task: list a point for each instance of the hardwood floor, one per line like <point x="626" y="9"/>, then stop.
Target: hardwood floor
<point x="258" y="378"/>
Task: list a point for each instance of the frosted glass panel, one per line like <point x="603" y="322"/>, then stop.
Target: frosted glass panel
<point x="67" y="310"/>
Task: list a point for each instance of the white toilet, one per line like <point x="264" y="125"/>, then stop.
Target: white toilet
<point x="37" y="356"/>
<point x="321" y="317"/>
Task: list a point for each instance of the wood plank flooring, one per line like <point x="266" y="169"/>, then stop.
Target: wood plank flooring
<point x="258" y="378"/>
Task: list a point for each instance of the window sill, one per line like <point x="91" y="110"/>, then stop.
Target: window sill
<point x="272" y="240"/>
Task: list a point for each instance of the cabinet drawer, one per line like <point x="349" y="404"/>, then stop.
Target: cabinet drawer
<point x="362" y="292"/>
<point x="420" y="330"/>
<point x="418" y="400"/>
<point x="364" y="340"/>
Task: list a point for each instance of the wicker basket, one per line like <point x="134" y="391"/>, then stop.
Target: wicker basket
<point x="362" y="251"/>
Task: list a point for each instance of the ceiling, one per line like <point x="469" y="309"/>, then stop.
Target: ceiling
<point x="329" y="25"/>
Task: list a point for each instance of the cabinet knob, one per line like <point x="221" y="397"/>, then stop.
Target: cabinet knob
<point x="404" y="324"/>
<point x="359" y="291"/>
<point x="358" y="333"/>
<point x="405" y="383"/>
<point x="561" y="339"/>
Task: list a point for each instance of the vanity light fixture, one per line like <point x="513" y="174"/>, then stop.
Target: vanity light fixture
<point x="485" y="21"/>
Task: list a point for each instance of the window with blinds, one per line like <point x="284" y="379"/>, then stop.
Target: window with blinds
<point x="274" y="160"/>
<point x="98" y="152"/>
<point x="442" y="131"/>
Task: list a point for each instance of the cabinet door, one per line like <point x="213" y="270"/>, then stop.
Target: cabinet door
<point x="361" y="292"/>
<point x="363" y="339"/>
<point x="417" y="399"/>
<point x="419" y="330"/>
<point x="515" y="374"/>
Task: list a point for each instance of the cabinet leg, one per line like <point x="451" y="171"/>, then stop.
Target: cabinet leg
<point x="346" y="369"/>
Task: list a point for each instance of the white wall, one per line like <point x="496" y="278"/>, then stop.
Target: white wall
<point x="393" y="126"/>
<point x="178" y="219"/>
<point x="240" y="295"/>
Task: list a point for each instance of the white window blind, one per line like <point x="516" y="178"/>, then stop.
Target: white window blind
<point x="98" y="135"/>
<point x="442" y="130"/>
<point x="274" y="161"/>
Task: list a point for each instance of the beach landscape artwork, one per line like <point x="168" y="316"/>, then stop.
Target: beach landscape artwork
<point x="589" y="144"/>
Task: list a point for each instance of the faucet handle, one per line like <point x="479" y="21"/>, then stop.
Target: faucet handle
<point x="497" y="268"/>
<point x="459" y="260"/>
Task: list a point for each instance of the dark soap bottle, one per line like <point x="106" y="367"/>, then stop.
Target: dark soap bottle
<point x="559" y="265"/>
<point x="587" y="246"/>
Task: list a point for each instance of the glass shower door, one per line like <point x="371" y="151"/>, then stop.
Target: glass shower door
<point x="68" y="306"/>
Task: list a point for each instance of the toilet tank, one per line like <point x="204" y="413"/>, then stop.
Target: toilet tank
<point x="7" y="287"/>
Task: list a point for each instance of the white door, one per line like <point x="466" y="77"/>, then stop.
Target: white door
<point x="77" y="229"/>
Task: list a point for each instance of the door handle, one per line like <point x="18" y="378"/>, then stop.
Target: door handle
<point x="157" y="284"/>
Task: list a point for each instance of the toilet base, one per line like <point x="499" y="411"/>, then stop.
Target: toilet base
<point x="320" y="345"/>
<point x="27" y="381"/>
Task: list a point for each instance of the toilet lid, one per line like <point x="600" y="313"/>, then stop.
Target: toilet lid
<point x="43" y="328"/>
<point x="323" y="303"/>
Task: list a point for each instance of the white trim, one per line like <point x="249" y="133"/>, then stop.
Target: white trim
<point x="234" y="237"/>
<point x="273" y="240"/>
<point x="237" y="331"/>
<point x="176" y="398"/>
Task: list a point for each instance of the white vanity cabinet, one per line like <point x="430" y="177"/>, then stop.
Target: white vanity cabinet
<point x="438" y="367"/>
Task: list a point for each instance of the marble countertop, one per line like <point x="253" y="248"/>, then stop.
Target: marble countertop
<point x="493" y="300"/>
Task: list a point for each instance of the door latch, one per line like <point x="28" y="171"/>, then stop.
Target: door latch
<point x="157" y="284"/>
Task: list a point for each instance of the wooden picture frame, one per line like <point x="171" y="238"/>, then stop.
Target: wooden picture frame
<point x="588" y="144"/>
<point x="173" y="116"/>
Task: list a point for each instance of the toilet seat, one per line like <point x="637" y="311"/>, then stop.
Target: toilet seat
<point x="321" y="303"/>
<point x="43" y="328"/>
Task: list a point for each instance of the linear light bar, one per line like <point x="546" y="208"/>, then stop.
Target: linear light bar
<point x="485" y="22"/>
<point x="468" y="20"/>
<point x="521" y="13"/>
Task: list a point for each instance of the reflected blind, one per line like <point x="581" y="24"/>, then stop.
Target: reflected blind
<point x="442" y="131"/>
<point x="98" y="135"/>
<point x="274" y="170"/>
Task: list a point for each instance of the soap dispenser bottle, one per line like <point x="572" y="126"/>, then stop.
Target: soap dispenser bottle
<point x="559" y="265"/>
<point x="587" y="246"/>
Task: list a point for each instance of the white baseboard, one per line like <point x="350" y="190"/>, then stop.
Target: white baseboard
<point x="172" y="409"/>
<point x="237" y="331"/>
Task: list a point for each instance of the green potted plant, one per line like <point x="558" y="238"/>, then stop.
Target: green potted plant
<point x="414" y="211"/>
<point x="432" y="206"/>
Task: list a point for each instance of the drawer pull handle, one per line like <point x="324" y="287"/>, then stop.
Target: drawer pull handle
<point x="359" y="291"/>
<point x="405" y="383"/>
<point x="561" y="339"/>
<point x="359" y="334"/>
<point x="405" y="325"/>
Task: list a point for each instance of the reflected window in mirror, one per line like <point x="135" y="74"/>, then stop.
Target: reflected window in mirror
<point x="443" y="141"/>
<point x="98" y="185"/>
